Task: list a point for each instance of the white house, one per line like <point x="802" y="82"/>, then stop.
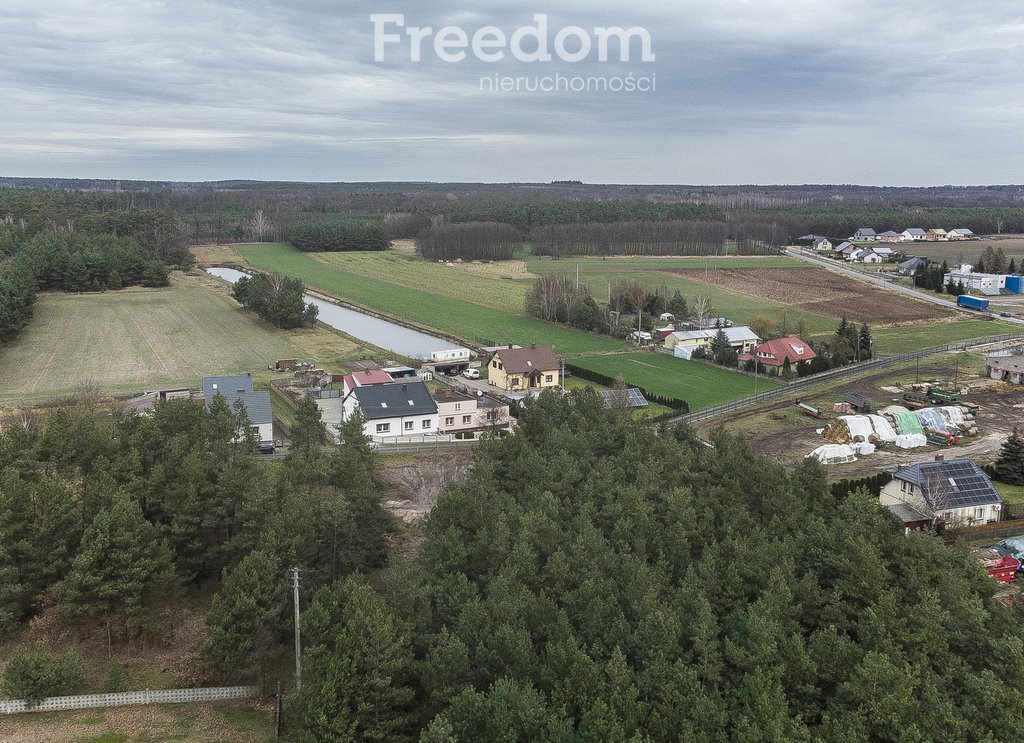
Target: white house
<point x="460" y="413"/>
<point x="865" y="234"/>
<point x="683" y="343"/>
<point x="238" y="388"/>
<point x="989" y="284"/>
<point x="821" y="244"/>
<point x="398" y="409"/>
<point x="913" y="233"/>
<point x="953" y="493"/>
<point x="960" y="233"/>
<point x="869" y="256"/>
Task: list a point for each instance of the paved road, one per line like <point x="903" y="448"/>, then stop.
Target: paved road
<point x="832" y="265"/>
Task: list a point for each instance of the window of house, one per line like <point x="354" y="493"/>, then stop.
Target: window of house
<point x="903" y="486"/>
<point x="425" y="424"/>
<point x="458" y="406"/>
<point x="466" y="419"/>
<point x="383" y="427"/>
<point x="449" y="421"/>
<point x="408" y="425"/>
<point x="947" y="516"/>
<point x="979" y="513"/>
<point x="492" y="416"/>
<point x="548" y="378"/>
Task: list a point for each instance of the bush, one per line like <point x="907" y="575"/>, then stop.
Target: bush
<point x="41" y="673"/>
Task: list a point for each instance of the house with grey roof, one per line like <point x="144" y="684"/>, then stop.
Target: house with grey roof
<point x="399" y="409"/>
<point x="1008" y="369"/>
<point x="683" y="343"/>
<point x="238" y="389"/>
<point x="910" y="266"/>
<point x="865" y="234"/>
<point x="952" y="493"/>
<point x="913" y="233"/>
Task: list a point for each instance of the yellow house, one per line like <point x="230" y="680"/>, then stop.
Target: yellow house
<point x="516" y="369"/>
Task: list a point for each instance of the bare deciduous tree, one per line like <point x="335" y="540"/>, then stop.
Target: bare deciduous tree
<point x="702" y="309"/>
<point x="259" y="225"/>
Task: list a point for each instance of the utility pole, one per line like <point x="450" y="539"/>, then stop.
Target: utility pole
<point x="577" y="275"/>
<point x="298" y="643"/>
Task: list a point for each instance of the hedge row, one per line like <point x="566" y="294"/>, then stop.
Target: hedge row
<point x="603" y="379"/>
<point x="872" y="483"/>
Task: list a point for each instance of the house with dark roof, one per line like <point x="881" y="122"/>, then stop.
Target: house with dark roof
<point x="841" y="247"/>
<point x="465" y="414"/>
<point x="772" y="355"/>
<point x="952" y="493"/>
<point x="238" y="388"/>
<point x="396" y="409"/>
<point x="865" y="234"/>
<point x="518" y="369"/>
<point x="910" y="266"/>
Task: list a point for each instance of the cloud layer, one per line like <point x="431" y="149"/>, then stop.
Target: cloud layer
<point x="746" y="91"/>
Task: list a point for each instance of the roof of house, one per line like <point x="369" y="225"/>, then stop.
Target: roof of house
<point x="865" y="231"/>
<point x="906" y="513"/>
<point x="737" y="334"/>
<point x="395" y="400"/>
<point x="450" y="395"/>
<point x="365" y="378"/>
<point x="961" y="231"/>
<point x="780" y="349"/>
<point x="888" y="233"/>
<point x="235" y="383"/>
<point x="819" y="239"/>
<point x="954" y="483"/>
<point x="883" y="251"/>
<point x="850" y="248"/>
<point x="913" y="262"/>
<point x="937" y="231"/>
<point x="915" y="231"/>
<point x="527" y="360"/>
<point x="257" y="404"/>
<point x="1007" y="363"/>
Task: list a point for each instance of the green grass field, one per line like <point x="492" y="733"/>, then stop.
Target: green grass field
<point x="902" y="340"/>
<point x="701" y="385"/>
<point x="474" y="323"/>
<point x="130" y="341"/>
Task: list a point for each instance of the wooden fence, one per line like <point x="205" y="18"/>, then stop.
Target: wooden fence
<point x="124" y="698"/>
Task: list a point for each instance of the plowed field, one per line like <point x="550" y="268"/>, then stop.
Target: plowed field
<point x="825" y="292"/>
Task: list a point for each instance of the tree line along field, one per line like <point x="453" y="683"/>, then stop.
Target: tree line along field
<point x="132" y="340"/>
<point x="472" y="322"/>
<point x="701" y="385"/>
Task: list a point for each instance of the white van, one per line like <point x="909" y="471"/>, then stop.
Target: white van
<point x="471" y="374"/>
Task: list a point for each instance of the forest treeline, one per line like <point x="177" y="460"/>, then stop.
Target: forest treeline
<point x="335" y="233"/>
<point x="592" y="579"/>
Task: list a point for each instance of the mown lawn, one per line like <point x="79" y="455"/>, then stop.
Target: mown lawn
<point x="701" y="385"/>
<point x="916" y="337"/>
<point x="538" y="264"/>
<point x="473" y="323"/>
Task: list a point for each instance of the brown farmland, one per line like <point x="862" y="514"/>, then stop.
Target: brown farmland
<point x="824" y="292"/>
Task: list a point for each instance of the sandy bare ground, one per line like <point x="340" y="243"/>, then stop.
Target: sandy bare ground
<point x="416" y="487"/>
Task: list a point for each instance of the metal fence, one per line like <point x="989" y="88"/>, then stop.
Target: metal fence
<point x="833" y="374"/>
<point x="125" y="698"/>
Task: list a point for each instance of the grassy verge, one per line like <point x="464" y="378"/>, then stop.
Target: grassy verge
<point x="701" y="385"/>
<point x="473" y="323"/>
<point x="1010" y="493"/>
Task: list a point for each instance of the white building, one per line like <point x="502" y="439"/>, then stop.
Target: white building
<point x="989" y="284"/>
<point x="953" y="493"/>
<point x="865" y="234"/>
<point x="913" y="233"/>
<point x="398" y="409"/>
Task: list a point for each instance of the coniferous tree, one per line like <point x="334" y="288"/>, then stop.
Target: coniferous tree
<point x="121" y="569"/>
<point x="1009" y="466"/>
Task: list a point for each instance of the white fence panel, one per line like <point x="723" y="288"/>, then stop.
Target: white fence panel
<point x="121" y="699"/>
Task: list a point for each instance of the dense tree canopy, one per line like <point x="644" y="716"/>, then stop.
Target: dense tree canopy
<point x="593" y="580"/>
<point x="337" y="233"/>
<point x="277" y="299"/>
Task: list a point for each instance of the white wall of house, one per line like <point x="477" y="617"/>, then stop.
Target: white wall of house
<point x="402" y="425"/>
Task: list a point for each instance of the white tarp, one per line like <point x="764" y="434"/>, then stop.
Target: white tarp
<point x="883" y="428"/>
<point x="834" y="454"/>
<point x="911" y="440"/>
<point x="864" y="449"/>
<point x="859" y="425"/>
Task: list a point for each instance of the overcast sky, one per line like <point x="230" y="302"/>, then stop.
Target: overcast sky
<point x="904" y="92"/>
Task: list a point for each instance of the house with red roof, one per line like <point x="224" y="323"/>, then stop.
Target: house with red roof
<point x="772" y="355"/>
<point x="364" y="379"/>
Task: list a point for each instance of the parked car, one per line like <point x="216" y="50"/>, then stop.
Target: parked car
<point x="1004" y="314"/>
<point x="471" y="374"/>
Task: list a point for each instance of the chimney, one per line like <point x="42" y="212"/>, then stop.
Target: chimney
<point x="939" y="457"/>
